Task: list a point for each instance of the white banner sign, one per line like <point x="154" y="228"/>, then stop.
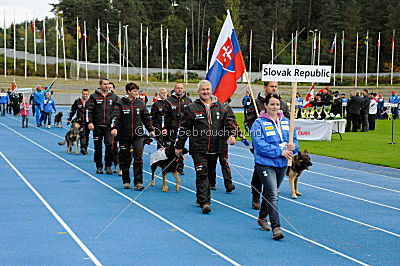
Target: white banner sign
<point x="23" y="90"/>
<point x="296" y="73"/>
<point x="313" y="129"/>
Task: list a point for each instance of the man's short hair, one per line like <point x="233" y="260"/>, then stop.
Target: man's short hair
<point x="101" y="80"/>
<point x="202" y="83"/>
<point x="112" y="84"/>
<point x="266" y="83"/>
<point x="365" y="90"/>
<point x="85" y="90"/>
<point x="131" y="86"/>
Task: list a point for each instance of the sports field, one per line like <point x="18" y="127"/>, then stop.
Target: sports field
<point x="57" y="211"/>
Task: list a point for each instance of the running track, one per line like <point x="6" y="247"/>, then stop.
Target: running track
<point x="55" y="210"/>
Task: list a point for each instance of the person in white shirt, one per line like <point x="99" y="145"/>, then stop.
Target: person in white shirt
<point x="373" y="109"/>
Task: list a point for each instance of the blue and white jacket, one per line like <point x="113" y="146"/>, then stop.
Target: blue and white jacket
<point x="48" y="105"/>
<point x="4" y="98"/>
<point x="266" y="140"/>
<point x="394" y="99"/>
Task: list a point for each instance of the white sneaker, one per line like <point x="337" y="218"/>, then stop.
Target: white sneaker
<point x="48" y="126"/>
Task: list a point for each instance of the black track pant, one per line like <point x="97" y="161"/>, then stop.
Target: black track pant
<point x="101" y="133"/>
<point x="84" y="137"/>
<point x="205" y="165"/>
<point x="226" y="170"/>
<point x="371" y="121"/>
<point x="125" y="159"/>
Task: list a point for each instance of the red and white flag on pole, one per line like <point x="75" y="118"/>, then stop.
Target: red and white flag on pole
<point x="310" y="94"/>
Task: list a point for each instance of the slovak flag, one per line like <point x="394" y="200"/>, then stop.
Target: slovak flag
<point x="227" y="64"/>
<point x="310" y="94"/>
<point x="333" y="46"/>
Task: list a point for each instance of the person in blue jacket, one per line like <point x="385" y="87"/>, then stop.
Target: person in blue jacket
<point x="38" y="97"/>
<point x="395" y="100"/>
<point x="4" y="100"/>
<point x="299" y="101"/>
<point x="47" y="107"/>
<point x="272" y="150"/>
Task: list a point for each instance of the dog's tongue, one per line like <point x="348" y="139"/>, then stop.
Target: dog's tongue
<point x="308" y="168"/>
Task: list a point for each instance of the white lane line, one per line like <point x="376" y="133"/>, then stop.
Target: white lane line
<point x="54" y="213"/>
<point x="316" y="208"/>
<point x="288" y="231"/>
<point x="133" y="201"/>
<point x="335" y="192"/>
<point x="332" y="165"/>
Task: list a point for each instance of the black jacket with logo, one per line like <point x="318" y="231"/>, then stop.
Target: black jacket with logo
<point x="160" y="111"/>
<point x="79" y="107"/>
<point x="178" y="105"/>
<point x="251" y="114"/>
<point x="101" y="108"/>
<point x="129" y="118"/>
<point x="204" y="132"/>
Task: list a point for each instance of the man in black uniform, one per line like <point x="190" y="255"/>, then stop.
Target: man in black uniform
<point x="100" y="110"/>
<point x="159" y="116"/>
<point x="364" y="110"/>
<point x="79" y="107"/>
<point x="270" y="87"/>
<point x="204" y="122"/>
<point x="130" y="115"/>
<point x="178" y="101"/>
<point x="353" y="112"/>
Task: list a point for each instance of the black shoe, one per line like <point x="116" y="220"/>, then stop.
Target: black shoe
<point x="108" y="171"/>
<point x="230" y="188"/>
<point x="99" y="170"/>
<point x="197" y="203"/>
<point x="84" y="152"/>
<point x="277" y="233"/>
<point x="264" y="224"/>
<point x="180" y="172"/>
<point x="206" y="209"/>
<point x="255" y="204"/>
<point x="139" y="187"/>
<point x="213" y="187"/>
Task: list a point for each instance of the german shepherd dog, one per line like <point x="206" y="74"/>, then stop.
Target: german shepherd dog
<point x="58" y="119"/>
<point x="301" y="162"/>
<point x="168" y="165"/>
<point x="73" y="136"/>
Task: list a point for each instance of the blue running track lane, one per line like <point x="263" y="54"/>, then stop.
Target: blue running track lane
<point x="345" y="216"/>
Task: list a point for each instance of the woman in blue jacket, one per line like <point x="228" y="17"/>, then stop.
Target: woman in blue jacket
<point x="270" y="135"/>
<point x="4" y="100"/>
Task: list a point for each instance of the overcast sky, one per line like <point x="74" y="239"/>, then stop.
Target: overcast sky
<point x="24" y="9"/>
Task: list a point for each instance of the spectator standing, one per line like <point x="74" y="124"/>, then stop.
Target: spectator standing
<point x="394" y="100"/>
<point x="373" y="109"/>
<point x="4" y="101"/>
<point x="353" y="112"/>
<point x="24" y="112"/>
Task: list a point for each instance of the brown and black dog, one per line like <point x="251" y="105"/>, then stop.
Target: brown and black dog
<point x="168" y="165"/>
<point x="73" y="136"/>
<point x="301" y="162"/>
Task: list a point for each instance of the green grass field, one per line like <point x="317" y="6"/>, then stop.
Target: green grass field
<point x="366" y="147"/>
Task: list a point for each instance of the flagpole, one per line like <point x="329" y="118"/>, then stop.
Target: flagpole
<point x="26" y="45"/>
<point x="98" y="47"/>
<point x="366" y="61"/>
<point x="295" y="50"/>
<point x="5" y="45"/>
<point x="202" y="33"/>
<point x="166" y="49"/>
<point x="193" y="33"/>
<point x="334" y="63"/>
<point x="208" y="49"/>
<point x="186" y="57"/>
<point x="63" y="43"/>
<point x="315" y="48"/>
<point x="57" y="36"/>
<point x="198" y="33"/>
<point x="147" y="55"/>
<point x="272" y="48"/>
<point x="162" y="54"/>
<point x="34" y="41"/>
<point x="108" y="42"/>
<point x="355" y="80"/>
<point x="312" y="48"/>
<point x="250" y="48"/>
<point x="85" y="37"/>
<point x="319" y="46"/>
<point x="44" y="47"/>
<point x="377" y="65"/>
<point x="127" y="52"/>
<point x="341" y="66"/>
<point x="141" y="52"/>
<point x="291" y="50"/>
<point x="15" y="48"/>
<point x="77" y="48"/>
<point x="119" y="47"/>
<point x="391" y="70"/>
